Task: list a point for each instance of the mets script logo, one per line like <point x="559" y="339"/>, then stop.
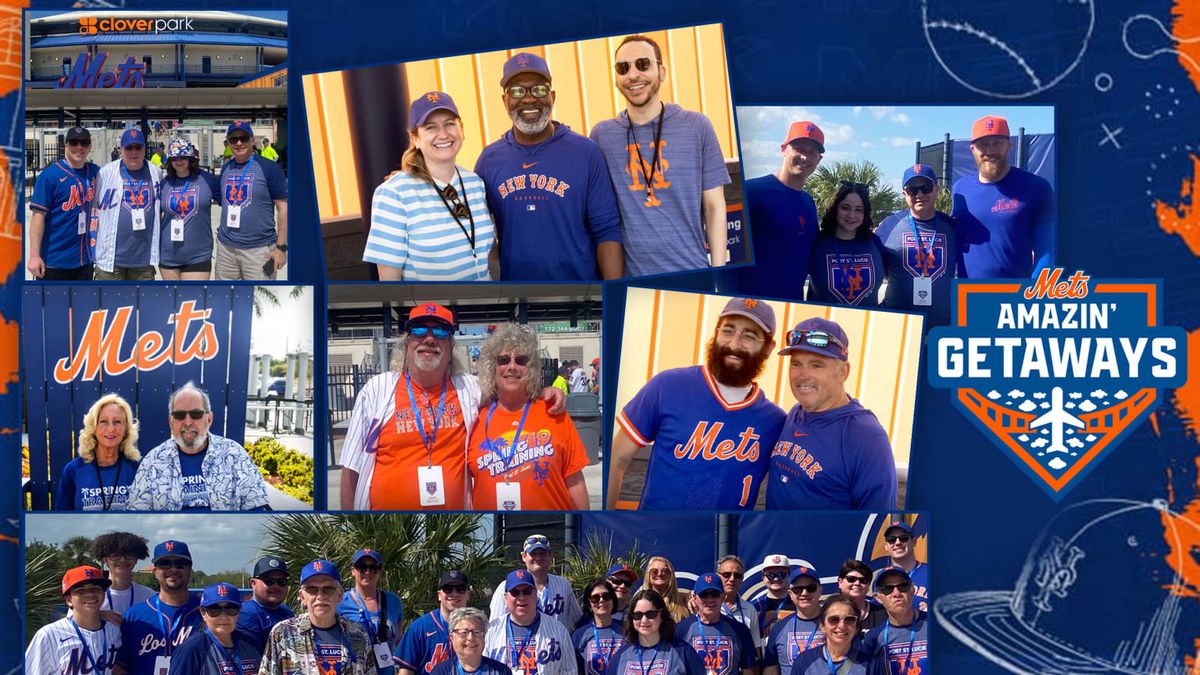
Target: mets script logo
<point x="1056" y="573"/>
<point x="928" y="259"/>
<point x="238" y="189"/>
<point x="851" y="276"/>
<point x="182" y="202"/>
<point x="1058" y="370"/>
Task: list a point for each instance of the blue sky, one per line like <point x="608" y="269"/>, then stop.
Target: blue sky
<point x="886" y="135"/>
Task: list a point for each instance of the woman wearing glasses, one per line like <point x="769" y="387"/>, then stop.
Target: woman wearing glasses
<point x="521" y="457"/>
<point x="468" y="626"/>
<point x="842" y="652"/>
<point x="220" y="648"/>
<point x="846" y="263"/>
<point x="660" y="575"/>
<point x="379" y="612"/>
<point x="598" y="639"/>
<point x="651" y="645"/>
<point x="429" y="221"/>
<point x="186" y="197"/>
<point x="98" y="479"/>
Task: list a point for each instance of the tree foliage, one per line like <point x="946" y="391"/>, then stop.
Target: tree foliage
<point x="823" y="184"/>
<point x="591" y="561"/>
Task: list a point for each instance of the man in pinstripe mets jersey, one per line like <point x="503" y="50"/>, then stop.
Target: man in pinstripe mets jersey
<point x="555" y="597"/>
<point x="711" y="426"/>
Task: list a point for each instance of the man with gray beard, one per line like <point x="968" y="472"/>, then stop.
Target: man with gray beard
<point x="548" y="188"/>
<point x="196" y="470"/>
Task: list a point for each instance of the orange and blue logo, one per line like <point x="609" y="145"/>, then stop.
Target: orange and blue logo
<point x="1058" y="370"/>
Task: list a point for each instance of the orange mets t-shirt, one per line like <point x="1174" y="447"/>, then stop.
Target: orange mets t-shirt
<point x="395" y="484"/>
<point x="549" y="450"/>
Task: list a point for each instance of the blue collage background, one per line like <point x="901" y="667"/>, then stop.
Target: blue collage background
<point x="985" y="512"/>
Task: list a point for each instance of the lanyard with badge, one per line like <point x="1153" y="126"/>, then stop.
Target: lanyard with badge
<point x="922" y="285"/>
<point x="604" y="657"/>
<point x="796" y="631"/>
<point x="162" y="663"/>
<point x="508" y="494"/>
<point x="383" y="652"/>
<point x="512" y="642"/>
<point x="174" y="219"/>
<point x="233" y="212"/>
<point x="840" y="669"/>
<point x="912" y="636"/>
<point x="136" y="213"/>
<point x="98" y="664"/>
<point x="230" y="655"/>
<point x="712" y="657"/>
<point x="84" y="202"/>
<point x="641" y="660"/>
<point x="430" y="484"/>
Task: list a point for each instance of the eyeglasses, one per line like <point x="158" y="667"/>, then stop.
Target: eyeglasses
<point x="504" y="359"/>
<point x="454" y="589"/>
<point x="813" y="338"/>
<point x="80" y="143"/>
<point x="537" y="90"/>
<point x="367" y="568"/>
<point x="648" y="614"/>
<point x="728" y="333"/>
<point x="805" y="588"/>
<point x="643" y="64"/>
<point x="924" y="188"/>
<point x="775" y="576"/>
<point x="274" y="581"/>
<point x="886" y="589"/>
<point x="601" y="597"/>
<point x="731" y="575"/>
<point x="238" y="139"/>
<point x="709" y="594"/>
<point x="194" y="414"/>
<point x="123" y="556"/>
<point x="618" y="581"/>
<point x="521" y="591"/>
<point x="902" y="538"/>
<point x="459" y="209"/>
<point x="135" y="147"/>
<point x="855" y="579"/>
<point x="227" y="610"/>
<point x="834" y="620"/>
<point x="853" y="187"/>
<point x="315" y="591"/>
<point x="173" y="564"/>
<point x="464" y="633"/>
<point x="422" y="331"/>
<point x="659" y="572"/>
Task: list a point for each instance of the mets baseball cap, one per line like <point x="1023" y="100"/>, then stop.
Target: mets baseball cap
<point x="989" y="125"/>
<point x="757" y="311"/>
<point x="891" y="570"/>
<point x="803" y="571"/>
<point x="269" y="563"/>
<point x="181" y="147"/>
<point x="171" y="549"/>
<point x="433" y="311"/>
<point x="536" y="541"/>
<point x="775" y="560"/>
<point x="709" y="581"/>
<point x="899" y="525"/>
<point x="453" y="578"/>
<point x="425" y="106"/>
<point x="366" y="552"/>
<point x="818" y="336"/>
<point x="215" y="594"/>
<point x="524" y="62"/>
<point x="919" y="171"/>
<point x="84" y="574"/>
<point x="78" y="134"/>
<point x="239" y="126"/>
<point x="319" y="567"/>
<point x="517" y="578"/>
<point x="132" y="137"/>
<point x="805" y="129"/>
<point x="595" y="362"/>
<point x="621" y="569"/>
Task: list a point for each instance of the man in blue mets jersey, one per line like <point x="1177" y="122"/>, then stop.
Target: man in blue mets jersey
<point x="711" y="426"/>
<point x="832" y="453"/>
<point x="61" y="201"/>
<point x="426" y="643"/>
<point x="155" y="628"/>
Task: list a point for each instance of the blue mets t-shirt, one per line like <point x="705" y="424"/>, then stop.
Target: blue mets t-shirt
<point x="816" y="662"/>
<point x="138" y="193"/>
<point x="1006" y="228"/>
<point x="725" y="647"/>
<point x="203" y="655"/>
<point x="195" y="490"/>
<point x="63" y="194"/>
<point x="253" y="187"/>
<point x="332" y="649"/>
<point x="791" y="637"/>
<point x="188" y="201"/>
<point x="154" y="628"/>
<point x="708" y="453"/>
<point x="596" y="647"/>
<point x="783" y="226"/>
<point x="915" y="249"/>
<point x="846" y="272"/>
<point x="904" y="648"/>
<point x="487" y="666"/>
<point x="664" y="658"/>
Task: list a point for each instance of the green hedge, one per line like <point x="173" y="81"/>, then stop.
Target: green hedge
<point x="294" y="470"/>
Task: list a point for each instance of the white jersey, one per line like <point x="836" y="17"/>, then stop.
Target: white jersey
<point x="549" y="653"/>
<point x="57" y="650"/>
<point x="107" y="213"/>
<point x="556" y="600"/>
<point x="746" y="615"/>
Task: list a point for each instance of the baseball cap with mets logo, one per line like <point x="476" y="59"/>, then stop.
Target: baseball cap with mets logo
<point x="989" y="125"/>
<point x="84" y="574"/>
<point x="431" y="311"/>
<point x="805" y="129"/>
<point x="757" y="311"/>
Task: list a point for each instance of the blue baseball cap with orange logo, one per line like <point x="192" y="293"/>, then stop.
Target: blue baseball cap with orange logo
<point x="218" y="593"/>
<point x="524" y="62"/>
<point x="709" y="581"/>
<point x="427" y="104"/>
<point x="319" y="567"/>
<point x="133" y="137"/>
<point x="918" y="171"/>
<point x="240" y="125"/>
<point x="171" y="548"/>
<point x="518" y="578"/>
<point x="757" y="311"/>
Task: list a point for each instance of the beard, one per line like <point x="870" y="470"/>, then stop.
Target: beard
<point x="991" y="171"/>
<point x="201" y="439"/>
<point x="536" y="126"/>
<point x="734" y="376"/>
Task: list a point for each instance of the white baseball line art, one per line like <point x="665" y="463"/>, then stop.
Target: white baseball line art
<point x="1171" y="39"/>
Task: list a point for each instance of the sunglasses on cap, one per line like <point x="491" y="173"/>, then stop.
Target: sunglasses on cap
<point x="505" y="359"/>
<point x="238" y="138"/>
<point x="601" y="597"/>
<point x="924" y="188"/>
<point x="649" y="614"/>
<point x="282" y="582"/>
<point x="521" y="591"/>
<point x="218" y="610"/>
<point x="80" y="142"/>
<point x="195" y="414"/>
<point x="902" y="538"/>
<point x="851" y="185"/>
<point x="886" y="589"/>
<point x="643" y="64"/>
<point x="834" y="620"/>
<point x="805" y="588"/>
<point x="538" y="540"/>
<point x="813" y="338"/>
<point x="731" y="575"/>
<point x="537" y="91"/>
<point x="421" y="331"/>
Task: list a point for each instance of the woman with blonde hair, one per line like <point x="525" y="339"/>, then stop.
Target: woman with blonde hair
<point x="430" y="221"/>
<point x="660" y="576"/>
<point x="98" y="479"/>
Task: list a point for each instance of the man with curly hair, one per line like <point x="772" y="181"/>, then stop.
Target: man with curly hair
<point x="119" y="552"/>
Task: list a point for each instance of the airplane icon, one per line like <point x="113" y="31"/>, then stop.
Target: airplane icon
<point x="1057" y="418"/>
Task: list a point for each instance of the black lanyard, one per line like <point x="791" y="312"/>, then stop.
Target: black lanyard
<point x="462" y="190"/>
<point x="116" y="483"/>
<point x="632" y="138"/>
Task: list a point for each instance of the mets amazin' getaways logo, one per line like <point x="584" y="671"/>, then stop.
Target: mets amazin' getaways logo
<point x="1057" y="371"/>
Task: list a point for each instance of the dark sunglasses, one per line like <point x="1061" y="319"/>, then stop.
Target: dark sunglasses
<point x="775" y="576"/>
<point x="173" y="564"/>
<point x="537" y="90"/>
<point x="813" y="338"/>
<point x="856" y="187"/>
<point x="834" y="620"/>
<point x="710" y="594"/>
<point x="238" y="139"/>
<point x="902" y="538"/>
<point x="601" y="597"/>
<point x="422" y="331"/>
<point x="924" y="188"/>
<point x="643" y="64"/>
<point x="520" y="592"/>
<point x="82" y="143"/>
<point x="805" y="588"/>
<point x="886" y="589"/>
<point x="649" y="614"/>
<point x="855" y="579"/>
<point x="618" y="581"/>
<point x="218" y="610"/>
<point x="367" y="568"/>
<point x="459" y="209"/>
<point x="454" y="589"/>
<point x="731" y="575"/>
<point x="135" y="146"/>
<point x="504" y="359"/>
<point x="194" y="414"/>
<point x="275" y="581"/>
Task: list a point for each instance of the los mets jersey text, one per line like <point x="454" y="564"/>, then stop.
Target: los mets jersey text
<point x="532" y="181"/>
<point x="700" y="444"/>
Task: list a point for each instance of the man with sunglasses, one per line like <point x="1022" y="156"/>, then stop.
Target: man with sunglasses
<point x="920" y="250"/>
<point x="124" y="226"/>
<point x="1005" y="216"/>
<point x="783" y="216"/>
<point x="667" y="166"/>
<point x="903" y="640"/>
<point x="380" y="613"/>
<point x="800" y="631"/>
<point x="732" y="571"/>
<point x="524" y="638"/>
<point x="622" y="579"/>
<point x="265" y="608"/>
<point x="318" y="642"/>
<point x="555" y="597"/>
<point x="252" y="239"/>
<point x="153" y="630"/>
<point x="724" y="645"/>
<point x="221" y="647"/>
<point x="901" y="546"/>
<point x="775" y="604"/>
<point x="196" y="470"/>
<point x="548" y="189"/>
<point x="833" y="454"/>
<point x="58" y="219"/>
<point x="711" y="425"/>
<point x="83" y="640"/>
<point x="427" y="643"/>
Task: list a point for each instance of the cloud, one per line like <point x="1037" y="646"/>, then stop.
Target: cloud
<point x="866" y="145"/>
<point x="993" y="394"/>
<point x="901" y="119"/>
<point x="1075" y="443"/>
<point x="877" y="111"/>
<point x="1075" y="395"/>
<point x="1099" y="393"/>
<point x="901" y="142"/>
<point x="1039" y="443"/>
<point x="1039" y="395"/>
<point x="1016" y="393"/>
<point x="1043" y="405"/>
<point x="1024" y="438"/>
<point x="1087" y="406"/>
<point x="1027" y="406"/>
<point x="1121" y="395"/>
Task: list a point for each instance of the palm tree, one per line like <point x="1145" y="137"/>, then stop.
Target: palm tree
<point x="44" y="569"/>
<point x="78" y="550"/>
<point x="585" y="564"/>
<point x="416" y="549"/>
<point x="826" y="180"/>
<point x="264" y="295"/>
